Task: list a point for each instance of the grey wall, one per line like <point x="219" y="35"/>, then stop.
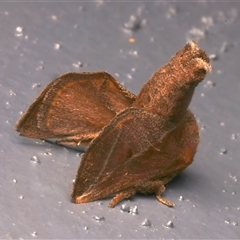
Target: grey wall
<point x="41" y="40"/>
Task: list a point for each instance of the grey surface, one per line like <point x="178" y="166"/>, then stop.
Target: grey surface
<point x="35" y="197"/>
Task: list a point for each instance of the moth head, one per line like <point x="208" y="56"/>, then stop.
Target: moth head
<point x="194" y="62"/>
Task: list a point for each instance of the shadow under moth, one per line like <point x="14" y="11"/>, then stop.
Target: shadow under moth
<point x="136" y="143"/>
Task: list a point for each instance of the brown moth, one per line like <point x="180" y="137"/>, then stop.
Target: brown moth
<point x="136" y="143"/>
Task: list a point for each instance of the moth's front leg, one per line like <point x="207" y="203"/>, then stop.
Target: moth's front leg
<point x="122" y="195"/>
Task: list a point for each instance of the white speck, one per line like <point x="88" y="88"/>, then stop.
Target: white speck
<point x="133" y="24"/>
<point x="98" y="218"/>
<point x="169" y="225"/>
<point x="86" y="228"/>
<point x="196" y="33"/>
<point x="134" y="210"/>
<point x="36" y="85"/>
<point x="208" y="21"/>
<point x="234" y="136"/>
<point x="129" y="76"/>
<point x="133" y="53"/>
<point x="41" y="67"/>
<point x="222" y="124"/>
<point x="55" y="18"/>
<point x="227" y="221"/>
<point x="209" y="84"/>
<point x="19" y="32"/>
<point x="19" y="29"/>
<point x="233" y="177"/>
<point x="70" y="211"/>
<point x="34" y="234"/>
<point x="35" y="159"/>
<point x="146" y="223"/>
<point x="79" y="154"/>
<point x="124" y="208"/>
<point x="12" y="93"/>
<point x="99" y="3"/>
<point x="223" y="151"/>
<point x="213" y="56"/>
<point x="14" y="180"/>
<point x="57" y="46"/>
<point x="234" y="223"/>
<point x="47" y="153"/>
<point x="140" y="10"/>
<point x="78" y="64"/>
<point x="7" y="105"/>
<point x="171" y="12"/>
<point x="181" y="198"/>
<point x="21" y="197"/>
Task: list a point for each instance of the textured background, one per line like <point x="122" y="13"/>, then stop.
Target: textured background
<point x="40" y="41"/>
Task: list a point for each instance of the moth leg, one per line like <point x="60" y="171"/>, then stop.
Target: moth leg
<point x="163" y="200"/>
<point x="158" y="191"/>
<point x="158" y="188"/>
<point x="120" y="196"/>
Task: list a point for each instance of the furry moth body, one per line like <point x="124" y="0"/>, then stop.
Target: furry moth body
<point x="136" y="143"/>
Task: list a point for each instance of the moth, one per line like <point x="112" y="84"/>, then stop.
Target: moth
<point x="136" y="143"/>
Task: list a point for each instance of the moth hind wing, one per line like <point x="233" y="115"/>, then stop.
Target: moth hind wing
<point x="27" y="124"/>
<point x="73" y="106"/>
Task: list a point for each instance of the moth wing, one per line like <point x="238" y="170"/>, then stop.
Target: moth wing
<point x="134" y="148"/>
<point x="75" y="104"/>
